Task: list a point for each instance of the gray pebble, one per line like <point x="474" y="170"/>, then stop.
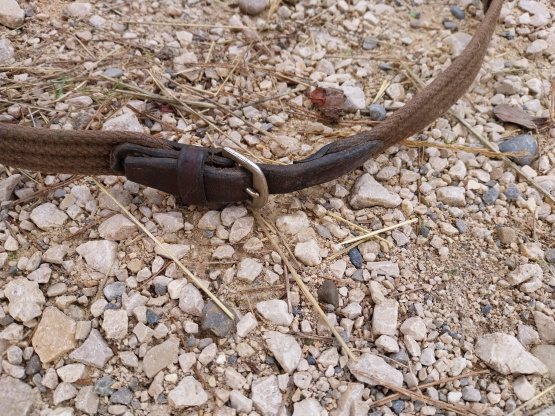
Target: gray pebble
<point x="344" y="336"/>
<point x="457" y="12"/>
<point x="328" y="293"/>
<point x="470" y="394"/>
<point x="113" y="73"/>
<point x="385" y="67"/>
<point x="356" y="257"/>
<point x="401" y="356"/>
<point x="398" y="406"/>
<point x="377" y="112"/>
<point x="521" y="143"/>
<point x="33" y="366"/>
<point x="215" y="320"/>
<point x="491" y="196"/>
<point x="369" y="44"/>
<point x="103" y="386"/>
<point x="461" y="226"/>
<point x="114" y="290"/>
<point x="512" y="192"/>
<point x="151" y="317"/>
<point x="324" y="232"/>
<point x="452" y="26"/>
<point x="358" y="275"/>
<point x="122" y="396"/>
<point x="252" y="7"/>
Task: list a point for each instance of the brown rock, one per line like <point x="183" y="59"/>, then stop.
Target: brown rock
<point x="55" y="335"/>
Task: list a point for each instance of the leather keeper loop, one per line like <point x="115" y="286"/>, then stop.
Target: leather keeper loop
<point x="190" y="175"/>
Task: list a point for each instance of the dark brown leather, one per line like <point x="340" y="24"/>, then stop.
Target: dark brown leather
<point x="202" y="177"/>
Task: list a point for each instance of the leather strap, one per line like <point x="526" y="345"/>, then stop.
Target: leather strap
<point x="201" y="176"/>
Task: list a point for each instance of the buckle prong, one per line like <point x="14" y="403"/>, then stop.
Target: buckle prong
<point x="260" y="192"/>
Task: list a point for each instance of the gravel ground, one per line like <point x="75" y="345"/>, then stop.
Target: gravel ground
<point x="457" y="305"/>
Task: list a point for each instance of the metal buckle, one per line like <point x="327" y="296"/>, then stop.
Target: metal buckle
<point x="260" y="192"/>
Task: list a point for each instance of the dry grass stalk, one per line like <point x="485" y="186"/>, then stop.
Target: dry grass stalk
<point x="533" y="399"/>
<point x="417" y="396"/>
<point x="423" y="386"/>
<point x="301" y="284"/>
<point x="373" y="233"/>
<point x="195" y="280"/>
<point x="130" y="22"/>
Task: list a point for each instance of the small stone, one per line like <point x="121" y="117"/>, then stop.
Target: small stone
<point x="546" y="327"/>
<point x="285" y="349"/>
<point x="384" y="319"/>
<point x="252" y="7"/>
<point x="367" y="192"/>
<point x="398" y="406"/>
<point x="457" y="12"/>
<point x="114" y="291"/>
<point x="266" y="395"/>
<point x="190" y="300"/>
<point x="275" y="310"/>
<point x="512" y="192"/>
<point x="188" y="392"/>
<point x="523" y="389"/>
<point x="546" y="354"/>
<point x="94" y="351"/>
<point x="308" y="253"/>
<point x="79" y="10"/>
<point x="240" y="229"/>
<point x="122" y="396"/>
<point x="491" y="195"/>
<point x="538" y="46"/>
<point x="11" y="15"/>
<point x="117" y="228"/>
<point x="355" y="99"/>
<point x="525" y="143"/>
<point x="171" y="222"/>
<point x="54" y="335"/>
<point x="210" y="220"/>
<point x="177" y="250"/>
<point x="56" y="254"/>
<point x="375" y="366"/>
<point x="377" y="112"/>
<point x="104" y="385"/>
<point x="47" y="216"/>
<point x="355" y="257"/>
<point x="63" y="392"/>
<point x="8" y="185"/>
<point x="292" y="224"/>
<point x="25" y="299"/>
<point x="506" y="235"/>
<point x="87" y="401"/>
<point x="527" y="335"/>
<point x="160" y="356"/>
<point x="71" y="373"/>
<point x="115" y="324"/>
<point x="387" y="343"/>
<point x="246" y="324"/>
<point x="249" y="269"/>
<point x="112" y="72"/>
<point x="452" y="195"/>
<point x="328" y="293"/>
<point x="100" y="255"/>
<point x="550" y="255"/>
<point x="470" y="394"/>
<point x="215" y="320"/>
<point x="525" y="272"/>
<point x="506" y="355"/>
<point x="16" y="398"/>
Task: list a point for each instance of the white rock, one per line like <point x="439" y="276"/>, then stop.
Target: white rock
<point x="452" y="195"/>
<point x="523" y="389"/>
<point x="376" y="367"/>
<point x="11" y="15"/>
<point x="506" y="355"/>
<point x="171" y="222"/>
<point x="6" y="50"/>
<point x="275" y="310"/>
<point x="160" y="356"/>
<point x="100" y="255"/>
<point x="415" y="327"/>
<point x="210" y="220"/>
<point x="246" y="324"/>
<point x="115" y="323"/>
<point x="124" y="122"/>
<point x="188" y="392"/>
<point x="79" y="10"/>
<point x="308" y="407"/>
<point x="249" y="269"/>
<point x="524" y="272"/>
<point x="117" y="228"/>
<point x="308" y="253"/>
<point x="190" y="300"/>
<point x="367" y="192"/>
<point x="47" y="216"/>
<point x="292" y="224"/>
<point x="356" y="100"/>
<point x="25" y="299"/>
<point x="384" y="319"/>
<point x="266" y="395"/>
<point x="387" y="343"/>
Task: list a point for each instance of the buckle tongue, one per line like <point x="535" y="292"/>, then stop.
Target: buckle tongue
<point x="259" y="192"/>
